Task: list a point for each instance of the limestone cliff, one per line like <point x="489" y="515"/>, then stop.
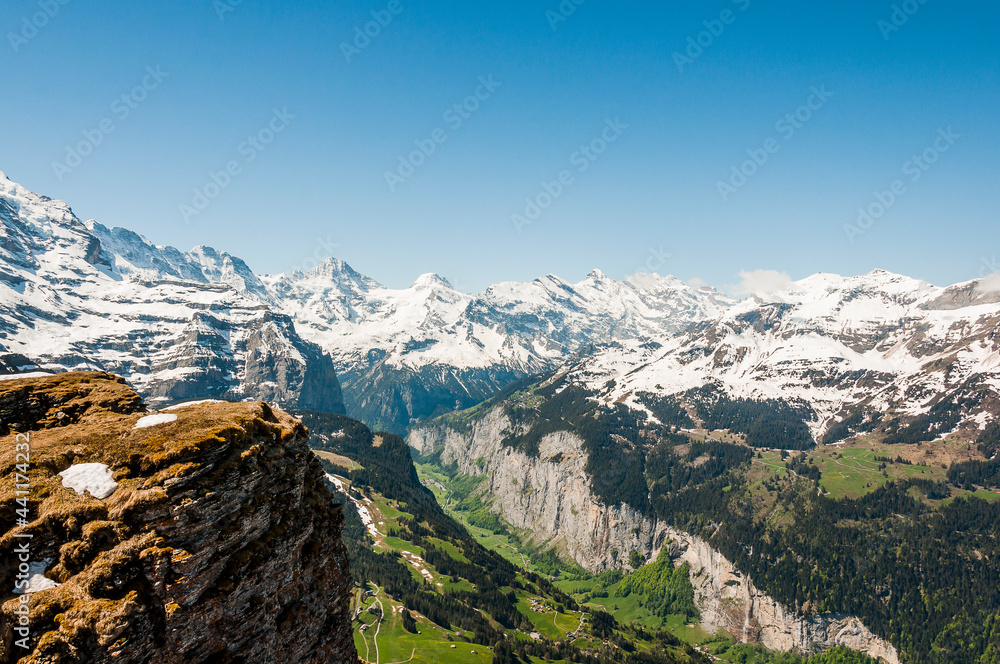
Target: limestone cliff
<point x="728" y="600"/>
<point x="551" y="496"/>
<point x="202" y="534"/>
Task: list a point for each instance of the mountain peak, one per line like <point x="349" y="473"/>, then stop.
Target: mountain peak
<point x="885" y="275"/>
<point x="651" y="280"/>
<point x="332" y="267"/>
<point x="597" y="275"/>
<point x="430" y="280"/>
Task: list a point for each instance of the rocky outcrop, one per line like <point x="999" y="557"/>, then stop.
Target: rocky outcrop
<point x="219" y="543"/>
<point x="728" y="600"/>
<point x="551" y="497"/>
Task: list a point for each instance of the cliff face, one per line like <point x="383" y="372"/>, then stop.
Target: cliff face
<point x="551" y="497"/>
<point x="728" y="600"/>
<point x="217" y="543"/>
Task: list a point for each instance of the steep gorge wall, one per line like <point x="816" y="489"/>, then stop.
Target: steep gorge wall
<point x="551" y="497"/>
<point x="728" y="600"/>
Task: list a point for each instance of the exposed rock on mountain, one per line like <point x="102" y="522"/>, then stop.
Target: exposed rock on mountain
<point x="412" y="354"/>
<point x="77" y="295"/>
<point x="877" y="343"/>
<point x="550" y="496"/>
<point x="217" y="541"/>
<point x="82" y="296"/>
<point x="728" y="600"/>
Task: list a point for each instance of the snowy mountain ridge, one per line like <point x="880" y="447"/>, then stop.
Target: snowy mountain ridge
<point x="414" y="353"/>
<point x="179" y="325"/>
<point x="880" y="341"/>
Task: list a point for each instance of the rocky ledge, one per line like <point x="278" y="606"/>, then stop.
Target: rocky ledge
<point x="202" y="534"/>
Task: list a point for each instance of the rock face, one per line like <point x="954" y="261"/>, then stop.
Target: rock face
<point x="551" y="497"/>
<point x="408" y="355"/>
<point x="728" y="600"/>
<point x="221" y="542"/>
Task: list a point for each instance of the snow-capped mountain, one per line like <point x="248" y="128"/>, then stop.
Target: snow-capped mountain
<point x="417" y="352"/>
<point x="82" y="296"/>
<point x="201" y="323"/>
<point x="879" y="342"/>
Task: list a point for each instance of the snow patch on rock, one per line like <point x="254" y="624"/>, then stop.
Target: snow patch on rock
<point x="153" y="420"/>
<point x="37" y="581"/>
<point x="29" y="374"/>
<point x="94" y="478"/>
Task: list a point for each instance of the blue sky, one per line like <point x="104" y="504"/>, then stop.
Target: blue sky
<point x="645" y="195"/>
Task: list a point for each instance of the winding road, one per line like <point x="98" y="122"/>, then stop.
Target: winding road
<point x="378" y="626"/>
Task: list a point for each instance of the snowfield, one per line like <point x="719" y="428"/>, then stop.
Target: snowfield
<point x="832" y="341"/>
<point x="78" y="295"/>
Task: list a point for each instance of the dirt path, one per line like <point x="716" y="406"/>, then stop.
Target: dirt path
<point x="378" y="625"/>
<point x="771" y="465"/>
<point x="858" y="467"/>
<point x="406" y="660"/>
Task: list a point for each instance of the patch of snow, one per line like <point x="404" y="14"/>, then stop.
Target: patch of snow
<point x="363" y="512"/>
<point x="37" y="581"/>
<point x="94" y="478"/>
<point x="29" y="374"/>
<point x="153" y="420"/>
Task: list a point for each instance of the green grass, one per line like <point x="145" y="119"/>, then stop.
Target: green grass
<point x="402" y="545"/>
<point x="432" y="645"/>
<point x="850" y="472"/>
<point x="567" y="622"/>
<point x="774" y="462"/>
<point x="389" y="511"/>
<point x="630" y="609"/>
<point x="982" y="494"/>
<point x="502" y="543"/>
<point x="544" y="622"/>
<point x="453" y="551"/>
<point x="461" y="585"/>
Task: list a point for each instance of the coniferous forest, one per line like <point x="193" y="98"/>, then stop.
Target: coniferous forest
<point x="920" y="571"/>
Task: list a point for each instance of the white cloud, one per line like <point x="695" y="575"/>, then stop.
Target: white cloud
<point x="697" y="282"/>
<point x="989" y="284"/>
<point x="761" y="282"/>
